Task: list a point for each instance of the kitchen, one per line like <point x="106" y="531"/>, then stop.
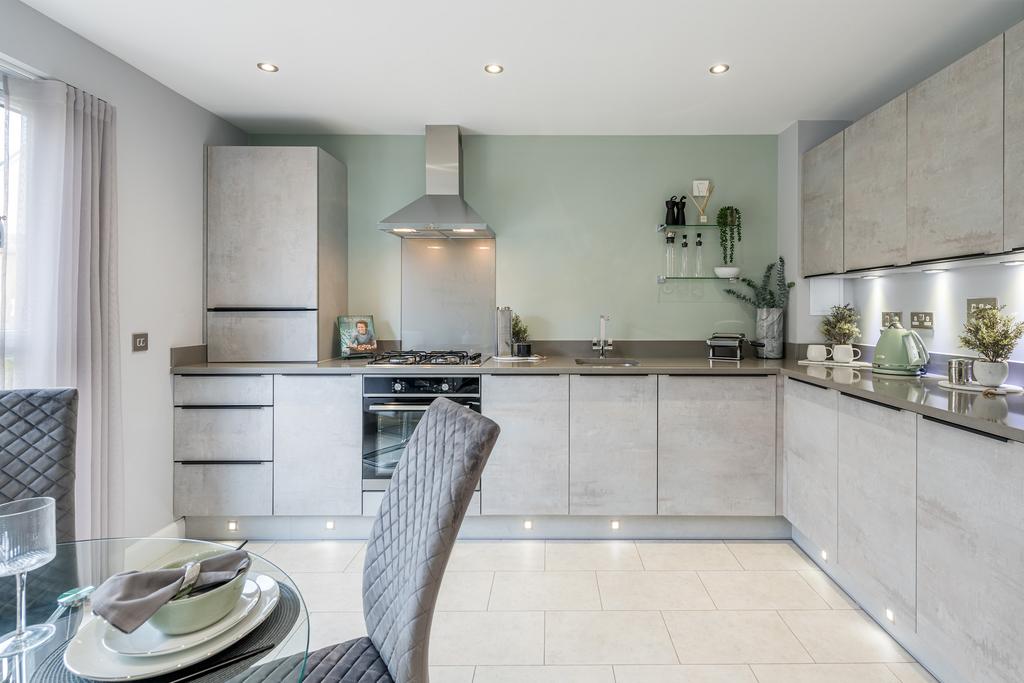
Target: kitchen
<point x="348" y="277"/>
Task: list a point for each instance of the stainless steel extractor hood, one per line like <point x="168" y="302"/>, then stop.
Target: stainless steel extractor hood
<point x="441" y="212"/>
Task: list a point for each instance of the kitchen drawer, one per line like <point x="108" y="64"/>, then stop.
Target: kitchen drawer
<point x="223" y="489"/>
<point x="234" y="336"/>
<point x="238" y="433"/>
<point x="223" y="390"/>
<point x="373" y="499"/>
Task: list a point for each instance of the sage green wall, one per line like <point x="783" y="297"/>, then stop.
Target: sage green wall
<point x="575" y="218"/>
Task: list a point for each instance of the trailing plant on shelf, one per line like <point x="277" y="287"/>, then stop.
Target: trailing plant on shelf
<point x="767" y="294"/>
<point x="840" y="325"/>
<point x="730" y="231"/>
<point x="520" y="330"/>
<point x="993" y="335"/>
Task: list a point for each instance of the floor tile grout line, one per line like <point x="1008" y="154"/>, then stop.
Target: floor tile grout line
<point x="706" y="591"/>
<point x="600" y="597"/>
<point x="817" y="592"/>
<point x="734" y="555"/>
<point x="675" y="650"/>
<point x="793" y="633"/>
<point x="752" y="673"/>
<point x="490" y="591"/>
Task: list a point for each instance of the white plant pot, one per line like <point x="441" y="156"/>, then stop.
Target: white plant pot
<point x="990" y="374"/>
<point x="727" y="272"/>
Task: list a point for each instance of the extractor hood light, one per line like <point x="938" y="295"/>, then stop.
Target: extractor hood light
<point x="933" y="271"/>
<point x="404" y="230"/>
<point x="718" y="69"/>
<point x="493" y="69"/>
<point x="870" y="277"/>
<point x="464" y="230"/>
<point x="1013" y="263"/>
<point x="434" y="246"/>
<point x="268" y="67"/>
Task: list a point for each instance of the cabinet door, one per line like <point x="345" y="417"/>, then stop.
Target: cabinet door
<point x="970" y="562"/>
<point x="261" y="221"/>
<point x="220" y="490"/>
<point x="223" y="390"/>
<point x="613" y="449"/>
<point x="810" y="436"/>
<point x="878" y="506"/>
<point x="955" y="158"/>
<point x="221" y="434"/>
<point x="528" y="471"/>
<point x="716" y="445"/>
<point x="821" y="196"/>
<point x="875" y="188"/>
<point x="317" y="445"/>
<point x="1013" y="237"/>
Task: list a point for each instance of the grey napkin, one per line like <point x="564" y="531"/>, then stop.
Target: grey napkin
<point x="128" y="599"/>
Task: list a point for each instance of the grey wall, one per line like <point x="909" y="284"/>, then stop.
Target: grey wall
<point x="160" y="140"/>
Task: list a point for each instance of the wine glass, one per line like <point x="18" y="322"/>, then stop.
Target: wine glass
<point x="28" y="540"/>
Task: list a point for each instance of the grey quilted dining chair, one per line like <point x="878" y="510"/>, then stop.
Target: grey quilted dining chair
<point x="412" y="538"/>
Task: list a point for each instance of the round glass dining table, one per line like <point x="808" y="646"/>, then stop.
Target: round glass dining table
<point x="274" y="651"/>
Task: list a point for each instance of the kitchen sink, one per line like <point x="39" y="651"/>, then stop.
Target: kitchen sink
<point x="608" y="362"/>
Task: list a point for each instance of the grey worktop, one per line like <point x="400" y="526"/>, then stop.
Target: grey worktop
<point x="1002" y="416"/>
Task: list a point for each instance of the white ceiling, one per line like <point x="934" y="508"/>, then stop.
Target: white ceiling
<point x="572" y="66"/>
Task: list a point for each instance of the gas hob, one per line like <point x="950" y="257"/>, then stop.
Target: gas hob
<point x="421" y="358"/>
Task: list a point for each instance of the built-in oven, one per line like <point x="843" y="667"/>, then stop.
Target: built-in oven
<point x="393" y="406"/>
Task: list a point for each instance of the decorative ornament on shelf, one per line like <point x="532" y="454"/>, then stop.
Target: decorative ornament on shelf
<point x="840" y="325"/>
<point x="770" y="301"/>
<point x="993" y="335"/>
<point x="521" y="346"/>
<point x="702" y="191"/>
<point x="675" y="210"/>
<point x="730" y="231"/>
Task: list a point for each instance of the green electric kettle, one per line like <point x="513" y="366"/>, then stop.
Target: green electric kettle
<point x="899" y="352"/>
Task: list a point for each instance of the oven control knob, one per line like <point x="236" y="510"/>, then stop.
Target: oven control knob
<point x="444" y="386"/>
<point x="398" y="386"/>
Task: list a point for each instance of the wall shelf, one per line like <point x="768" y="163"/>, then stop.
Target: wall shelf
<point x="662" y="279"/>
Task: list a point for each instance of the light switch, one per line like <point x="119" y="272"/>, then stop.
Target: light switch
<point x="890" y="317"/>
<point x="140" y="341"/>
<point x="922" y="320"/>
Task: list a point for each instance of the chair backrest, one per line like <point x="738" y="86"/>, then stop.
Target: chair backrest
<point x="415" y="529"/>
<point x="37" y="450"/>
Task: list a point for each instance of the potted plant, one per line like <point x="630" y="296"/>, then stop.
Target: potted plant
<point x="730" y="231"/>
<point x="521" y="347"/>
<point x="840" y="325"/>
<point x="769" y="299"/>
<point x="993" y="335"/>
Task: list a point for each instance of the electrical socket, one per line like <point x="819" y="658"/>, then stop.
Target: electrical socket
<point x="973" y="305"/>
<point x="890" y="317"/>
<point x="922" y="320"/>
<point x="140" y="341"/>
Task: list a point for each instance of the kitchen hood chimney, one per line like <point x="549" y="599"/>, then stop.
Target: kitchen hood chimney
<point x="441" y="212"/>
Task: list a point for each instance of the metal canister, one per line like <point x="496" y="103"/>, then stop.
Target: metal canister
<point x="958" y="371"/>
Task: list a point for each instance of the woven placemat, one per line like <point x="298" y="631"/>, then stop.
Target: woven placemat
<point x="272" y="631"/>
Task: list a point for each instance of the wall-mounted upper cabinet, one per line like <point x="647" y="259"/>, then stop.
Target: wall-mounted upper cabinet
<point x="875" y="189"/>
<point x="1014" y="140"/>
<point x="822" y="209"/>
<point x="955" y="158"/>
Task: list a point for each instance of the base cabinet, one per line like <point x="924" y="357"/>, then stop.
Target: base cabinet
<point x="223" y="489"/>
<point x="528" y="471"/>
<point x="613" y="445"/>
<point x="317" y="445"/>
<point x="877" y="538"/>
<point x="812" y="463"/>
<point x="970" y="562"/>
<point x="716" y="445"/>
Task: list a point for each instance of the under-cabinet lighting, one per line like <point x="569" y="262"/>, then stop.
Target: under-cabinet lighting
<point x="1013" y="263"/>
<point x="484" y="248"/>
<point x="890" y="615"/>
<point x="528" y="524"/>
<point x="434" y="246"/>
<point x="933" y="271"/>
<point x="267" y="67"/>
<point x="464" y="230"/>
<point x="870" y="277"/>
<point x="493" y="69"/>
<point x="824" y="555"/>
<point x="329" y="525"/>
<point x="615" y="525"/>
<point x="232" y="525"/>
<point x="718" y="69"/>
<point x="404" y="230"/>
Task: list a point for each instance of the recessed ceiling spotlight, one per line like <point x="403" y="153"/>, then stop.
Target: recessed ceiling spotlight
<point x="717" y="69"/>
<point x="493" y="68"/>
<point x="1013" y="263"/>
<point x="933" y="271"/>
<point x="268" y="67"/>
<point x="870" y="277"/>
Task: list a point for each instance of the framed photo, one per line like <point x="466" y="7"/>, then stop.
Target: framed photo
<point x="356" y="336"/>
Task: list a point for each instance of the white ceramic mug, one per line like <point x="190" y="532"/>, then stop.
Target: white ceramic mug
<point x="845" y="353"/>
<point x="818" y="352"/>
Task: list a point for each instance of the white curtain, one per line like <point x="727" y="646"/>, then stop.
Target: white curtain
<point x="58" y="275"/>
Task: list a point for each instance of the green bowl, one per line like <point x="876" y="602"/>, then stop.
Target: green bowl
<point x="195" y="612"/>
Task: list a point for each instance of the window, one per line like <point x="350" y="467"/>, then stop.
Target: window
<point x="11" y="231"/>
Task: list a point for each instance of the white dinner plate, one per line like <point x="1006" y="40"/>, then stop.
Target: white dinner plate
<point x="148" y="641"/>
<point x="85" y="655"/>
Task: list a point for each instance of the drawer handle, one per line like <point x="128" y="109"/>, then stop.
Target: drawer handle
<point x="256" y="309"/>
<point x="809" y="384"/>
<point x="190" y="463"/>
<point x="871" y="401"/>
<point x="966" y="429"/>
<point x="220" y="407"/>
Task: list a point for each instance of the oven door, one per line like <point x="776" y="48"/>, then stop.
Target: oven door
<point x="388" y="424"/>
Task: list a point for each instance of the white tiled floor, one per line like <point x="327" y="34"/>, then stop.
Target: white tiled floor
<point x="619" y="612"/>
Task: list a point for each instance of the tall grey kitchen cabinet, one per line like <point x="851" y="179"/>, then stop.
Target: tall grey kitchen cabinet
<point x="277" y="241"/>
<point x="1013" y="215"/>
<point x="821" y="233"/>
